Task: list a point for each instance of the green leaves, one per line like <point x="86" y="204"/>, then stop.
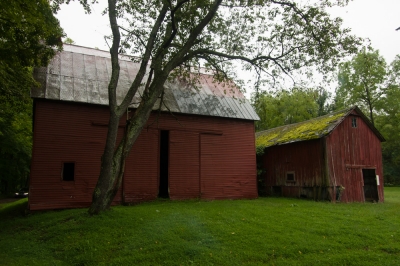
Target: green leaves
<point x="273" y="37"/>
<point x="15" y="145"/>
<point x="362" y="82"/>
<point x="29" y="31"/>
<point x="29" y="36"/>
<point x="286" y="107"/>
<point x="368" y="82"/>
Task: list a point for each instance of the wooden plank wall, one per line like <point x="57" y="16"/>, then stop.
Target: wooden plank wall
<point x="219" y="151"/>
<point x="349" y="151"/>
<point x="305" y="159"/>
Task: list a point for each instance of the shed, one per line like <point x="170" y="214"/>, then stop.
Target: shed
<point x="200" y="145"/>
<point x="336" y="157"/>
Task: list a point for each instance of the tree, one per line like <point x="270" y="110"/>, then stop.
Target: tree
<point x="170" y="37"/>
<point x="322" y="100"/>
<point x="29" y="33"/>
<point x="16" y="145"/>
<point x="362" y="82"/>
<point x="286" y="107"/>
<point x="69" y="41"/>
<point x="388" y="123"/>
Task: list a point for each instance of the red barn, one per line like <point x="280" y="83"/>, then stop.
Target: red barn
<point x="200" y="145"/>
<point x="335" y="157"/>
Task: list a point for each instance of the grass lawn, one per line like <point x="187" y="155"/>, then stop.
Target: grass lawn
<point x="266" y="231"/>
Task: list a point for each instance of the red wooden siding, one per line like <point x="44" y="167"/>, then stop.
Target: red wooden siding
<point x="224" y="166"/>
<point x="304" y="159"/>
<point x="184" y="165"/>
<point x="217" y="154"/>
<point x="57" y="140"/>
<point x="323" y="165"/>
<point x="349" y="151"/>
<point x="141" y="170"/>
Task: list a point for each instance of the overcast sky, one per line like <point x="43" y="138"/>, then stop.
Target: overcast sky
<point x="376" y="20"/>
<point x="372" y="19"/>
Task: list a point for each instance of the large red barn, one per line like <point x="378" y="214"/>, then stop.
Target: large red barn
<point x="336" y="157"/>
<point x="200" y="145"/>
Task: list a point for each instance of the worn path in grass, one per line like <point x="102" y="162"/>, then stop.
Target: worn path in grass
<point x="266" y="231"/>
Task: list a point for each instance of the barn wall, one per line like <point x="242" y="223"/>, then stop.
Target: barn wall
<point x="209" y="157"/>
<point x="225" y="162"/>
<point x="349" y="150"/>
<point x="184" y="165"/>
<point x="140" y="181"/>
<point x="305" y="160"/>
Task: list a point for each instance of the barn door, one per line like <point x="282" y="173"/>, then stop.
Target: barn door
<point x="163" y="191"/>
<point x="370" y="185"/>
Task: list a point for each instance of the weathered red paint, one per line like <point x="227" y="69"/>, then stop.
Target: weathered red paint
<point x="349" y="150"/>
<point x="322" y="166"/>
<point x="209" y="157"/>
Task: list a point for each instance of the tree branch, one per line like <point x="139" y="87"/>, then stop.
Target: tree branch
<point x="134" y="34"/>
<point x="177" y="59"/>
<point x="112" y="86"/>
<point x="145" y="60"/>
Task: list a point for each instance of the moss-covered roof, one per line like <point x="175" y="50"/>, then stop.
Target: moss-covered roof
<point x="307" y="130"/>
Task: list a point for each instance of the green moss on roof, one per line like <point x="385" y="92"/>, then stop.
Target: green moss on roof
<point x="307" y="130"/>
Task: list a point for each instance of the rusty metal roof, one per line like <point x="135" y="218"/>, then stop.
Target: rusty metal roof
<point x="311" y="129"/>
<point x="81" y="74"/>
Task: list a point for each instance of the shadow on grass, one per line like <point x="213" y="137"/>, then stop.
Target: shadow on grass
<point x="14" y="209"/>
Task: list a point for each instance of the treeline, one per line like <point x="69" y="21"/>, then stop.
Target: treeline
<point x="366" y="81"/>
<point x="29" y="33"/>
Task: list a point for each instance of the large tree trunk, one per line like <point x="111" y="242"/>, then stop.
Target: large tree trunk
<point x="102" y="195"/>
<point x="113" y="159"/>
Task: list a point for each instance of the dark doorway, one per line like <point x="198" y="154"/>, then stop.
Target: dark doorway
<point x="164" y="154"/>
<point x="370" y="186"/>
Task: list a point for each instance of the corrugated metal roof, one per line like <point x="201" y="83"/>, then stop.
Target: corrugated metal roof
<point x="311" y="129"/>
<point x="81" y="74"/>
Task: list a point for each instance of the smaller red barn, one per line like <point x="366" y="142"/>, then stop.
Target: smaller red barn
<point x="335" y="157"/>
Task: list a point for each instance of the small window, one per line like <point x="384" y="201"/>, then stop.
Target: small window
<point x="354" y="122"/>
<point x="290" y="176"/>
<point x="68" y="172"/>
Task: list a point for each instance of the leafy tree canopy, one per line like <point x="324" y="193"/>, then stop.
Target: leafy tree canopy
<point x="69" y="41"/>
<point x="368" y="82"/>
<point x="15" y="145"/>
<point x="388" y="123"/>
<point x="362" y="82"/>
<point x="268" y="36"/>
<point x="286" y="107"/>
<point x="29" y="32"/>
<point x="28" y="29"/>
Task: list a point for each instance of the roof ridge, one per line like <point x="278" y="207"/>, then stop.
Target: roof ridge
<point x="347" y="110"/>
<point x="310" y="129"/>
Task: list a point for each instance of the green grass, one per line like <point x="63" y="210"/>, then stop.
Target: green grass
<point x="266" y="231"/>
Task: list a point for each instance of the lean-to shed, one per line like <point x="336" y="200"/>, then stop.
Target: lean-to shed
<point x="335" y="157"/>
<point x="201" y="144"/>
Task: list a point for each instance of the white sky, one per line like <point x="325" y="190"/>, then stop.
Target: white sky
<point x="372" y="19"/>
<point x="376" y="20"/>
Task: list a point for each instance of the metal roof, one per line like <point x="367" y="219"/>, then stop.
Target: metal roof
<point x="81" y="74"/>
<point x="311" y="129"/>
